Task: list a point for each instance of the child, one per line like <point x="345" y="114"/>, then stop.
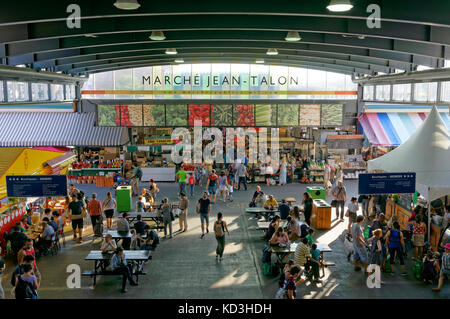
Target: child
<point x="191" y="181"/>
<point x="430" y="268"/>
<point x="134" y="244"/>
<point x="315" y="258"/>
<point x="310" y="237"/>
<point x="230" y="187"/>
<point x="139" y="206"/>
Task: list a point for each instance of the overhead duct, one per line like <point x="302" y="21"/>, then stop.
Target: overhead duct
<point x="407" y="77"/>
<point x="8" y="73"/>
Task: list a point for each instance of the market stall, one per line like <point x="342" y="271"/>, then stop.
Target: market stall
<point x="429" y="164"/>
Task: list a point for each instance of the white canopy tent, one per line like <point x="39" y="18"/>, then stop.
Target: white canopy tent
<point x="427" y="153"/>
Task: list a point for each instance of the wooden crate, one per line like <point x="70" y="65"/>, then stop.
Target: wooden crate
<point x="321" y="217"/>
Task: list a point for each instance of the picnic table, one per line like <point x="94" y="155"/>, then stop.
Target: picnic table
<point x="118" y="235"/>
<point x="146" y="216"/>
<point x="283" y="252"/>
<point x="260" y="211"/>
<point x="136" y="259"/>
<point x="290" y="200"/>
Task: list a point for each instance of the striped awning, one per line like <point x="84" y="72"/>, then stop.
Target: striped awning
<point x="392" y="129"/>
<point x="57" y="129"/>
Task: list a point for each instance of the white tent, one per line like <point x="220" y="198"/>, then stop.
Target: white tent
<point x="426" y="152"/>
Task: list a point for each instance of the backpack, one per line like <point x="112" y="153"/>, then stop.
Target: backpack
<point x="219" y="230"/>
<point x="23" y="289"/>
<point x="266" y="254"/>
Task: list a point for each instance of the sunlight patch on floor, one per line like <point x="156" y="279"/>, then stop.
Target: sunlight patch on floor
<point x="231" y="280"/>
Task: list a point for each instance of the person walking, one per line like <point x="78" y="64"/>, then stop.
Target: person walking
<point x="376" y="250"/>
<point x="211" y="185"/>
<point x="340" y="195"/>
<point x="419" y="231"/>
<point x="365" y="199"/>
<point x="220" y="227"/>
<point x="181" y="177"/>
<point x="95" y="211"/>
<point x="167" y="217"/>
<point x="445" y="270"/>
<point x="77" y="212"/>
<point x="191" y="181"/>
<point x="153" y="188"/>
<point x="223" y="186"/>
<point x="135" y="178"/>
<point x="109" y="206"/>
<point x="203" y="209"/>
<point x="307" y="203"/>
<point x="27" y="284"/>
<point x="352" y="212"/>
<point x="283" y="172"/>
<point x="243" y="174"/>
<point x="183" y="205"/>
<point x="292" y="168"/>
<point x="359" y="244"/>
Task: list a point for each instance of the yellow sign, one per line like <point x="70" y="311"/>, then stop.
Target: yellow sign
<point x="155" y="141"/>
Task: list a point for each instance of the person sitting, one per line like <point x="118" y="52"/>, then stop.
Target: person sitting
<point x="139" y="225"/>
<point x="151" y="240"/>
<point x="302" y="256"/>
<point x="430" y="268"/>
<point x="294" y="228"/>
<point x="258" y="197"/>
<point x="270" y="203"/>
<point x="284" y="209"/>
<point x="134" y="241"/>
<point x="46" y="238"/>
<point x="310" y="237"/>
<point x="273" y="226"/>
<point x="139" y="206"/>
<point x="119" y="265"/>
<point x="109" y="245"/>
<point x="53" y="221"/>
<point x="124" y="227"/>
<point x="29" y="217"/>
<point x="279" y="237"/>
<point x="47" y="213"/>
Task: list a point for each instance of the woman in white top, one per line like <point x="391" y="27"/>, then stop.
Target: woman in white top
<point x="109" y="205"/>
<point x="352" y="212"/>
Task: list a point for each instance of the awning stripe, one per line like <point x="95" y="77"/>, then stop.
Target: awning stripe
<point x="23" y="129"/>
<point x="389" y="129"/>
<point x="378" y="129"/>
<point x="397" y="123"/>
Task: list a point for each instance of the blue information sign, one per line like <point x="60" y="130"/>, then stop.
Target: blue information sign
<point x="387" y="183"/>
<point x="36" y="185"/>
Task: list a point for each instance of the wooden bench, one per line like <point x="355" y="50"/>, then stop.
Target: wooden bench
<point x="92" y="273"/>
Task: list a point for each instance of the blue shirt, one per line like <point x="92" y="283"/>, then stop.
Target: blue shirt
<point x="117" y="262"/>
<point x="315" y="254"/>
<point x="48" y="232"/>
<point x="284" y="211"/>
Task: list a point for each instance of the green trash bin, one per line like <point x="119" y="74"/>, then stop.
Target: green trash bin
<point x="123" y="198"/>
<point x="317" y="192"/>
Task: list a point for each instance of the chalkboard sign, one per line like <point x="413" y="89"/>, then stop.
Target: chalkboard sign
<point x="36" y="185"/>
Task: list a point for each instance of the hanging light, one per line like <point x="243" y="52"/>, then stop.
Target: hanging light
<point x="339" y="5"/>
<point x="272" y="52"/>
<point x="293" y="36"/>
<point x="157" y="36"/>
<point x="127" y="4"/>
<point x="171" y="51"/>
<point x="90" y="35"/>
<point x="259" y="61"/>
<point x="179" y="60"/>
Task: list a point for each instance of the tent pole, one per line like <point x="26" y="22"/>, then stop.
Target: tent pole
<point x="429" y="215"/>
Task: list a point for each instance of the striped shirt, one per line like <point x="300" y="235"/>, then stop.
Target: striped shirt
<point x="301" y="252"/>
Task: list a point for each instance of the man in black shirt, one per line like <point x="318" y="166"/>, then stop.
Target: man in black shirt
<point x="151" y="241"/>
<point x="76" y="209"/>
<point x="139" y="226"/>
<point x="284" y="209"/>
<point x="17" y="239"/>
<point x="257" y="197"/>
<point x="203" y="208"/>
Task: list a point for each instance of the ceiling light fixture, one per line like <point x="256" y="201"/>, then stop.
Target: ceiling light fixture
<point x="259" y="61"/>
<point x="272" y="52"/>
<point x="179" y="60"/>
<point x="157" y="36"/>
<point x="127" y="4"/>
<point x="90" y="35"/>
<point x="293" y="36"/>
<point x="171" y="51"/>
<point x="339" y="5"/>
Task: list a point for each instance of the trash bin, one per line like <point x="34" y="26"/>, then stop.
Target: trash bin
<point x="123" y="198"/>
<point x="316" y="192"/>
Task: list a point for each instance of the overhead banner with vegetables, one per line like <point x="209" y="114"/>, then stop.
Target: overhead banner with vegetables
<point x="220" y="115"/>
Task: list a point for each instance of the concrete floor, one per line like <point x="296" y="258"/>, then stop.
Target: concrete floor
<point x="185" y="267"/>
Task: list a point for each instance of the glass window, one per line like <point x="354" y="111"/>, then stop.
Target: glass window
<point x="39" y="91"/>
<point x="445" y="91"/>
<point x="2" y="97"/>
<point x="446" y="63"/>
<point x="383" y="92"/>
<point x="57" y="92"/>
<point x="123" y="80"/>
<point x="70" y="92"/>
<point x="425" y="92"/>
<point x="104" y="81"/>
<point x="368" y="93"/>
<point x="401" y="92"/>
<point x="17" y="91"/>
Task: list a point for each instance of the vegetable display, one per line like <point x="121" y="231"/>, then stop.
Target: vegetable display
<point x="154" y="115"/>
<point x="222" y="115"/>
<point x="199" y="112"/>
<point x="176" y="115"/>
<point x="309" y="115"/>
<point x="332" y="114"/>
<point x="122" y="116"/>
<point x="263" y="115"/>
<point x="135" y="114"/>
<point x="243" y="115"/>
<point x="106" y="115"/>
<point x="287" y="115"/>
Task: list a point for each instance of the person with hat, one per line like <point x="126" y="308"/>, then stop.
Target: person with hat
<point x="445" y="270"/>
<point x="124" y="227"/>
